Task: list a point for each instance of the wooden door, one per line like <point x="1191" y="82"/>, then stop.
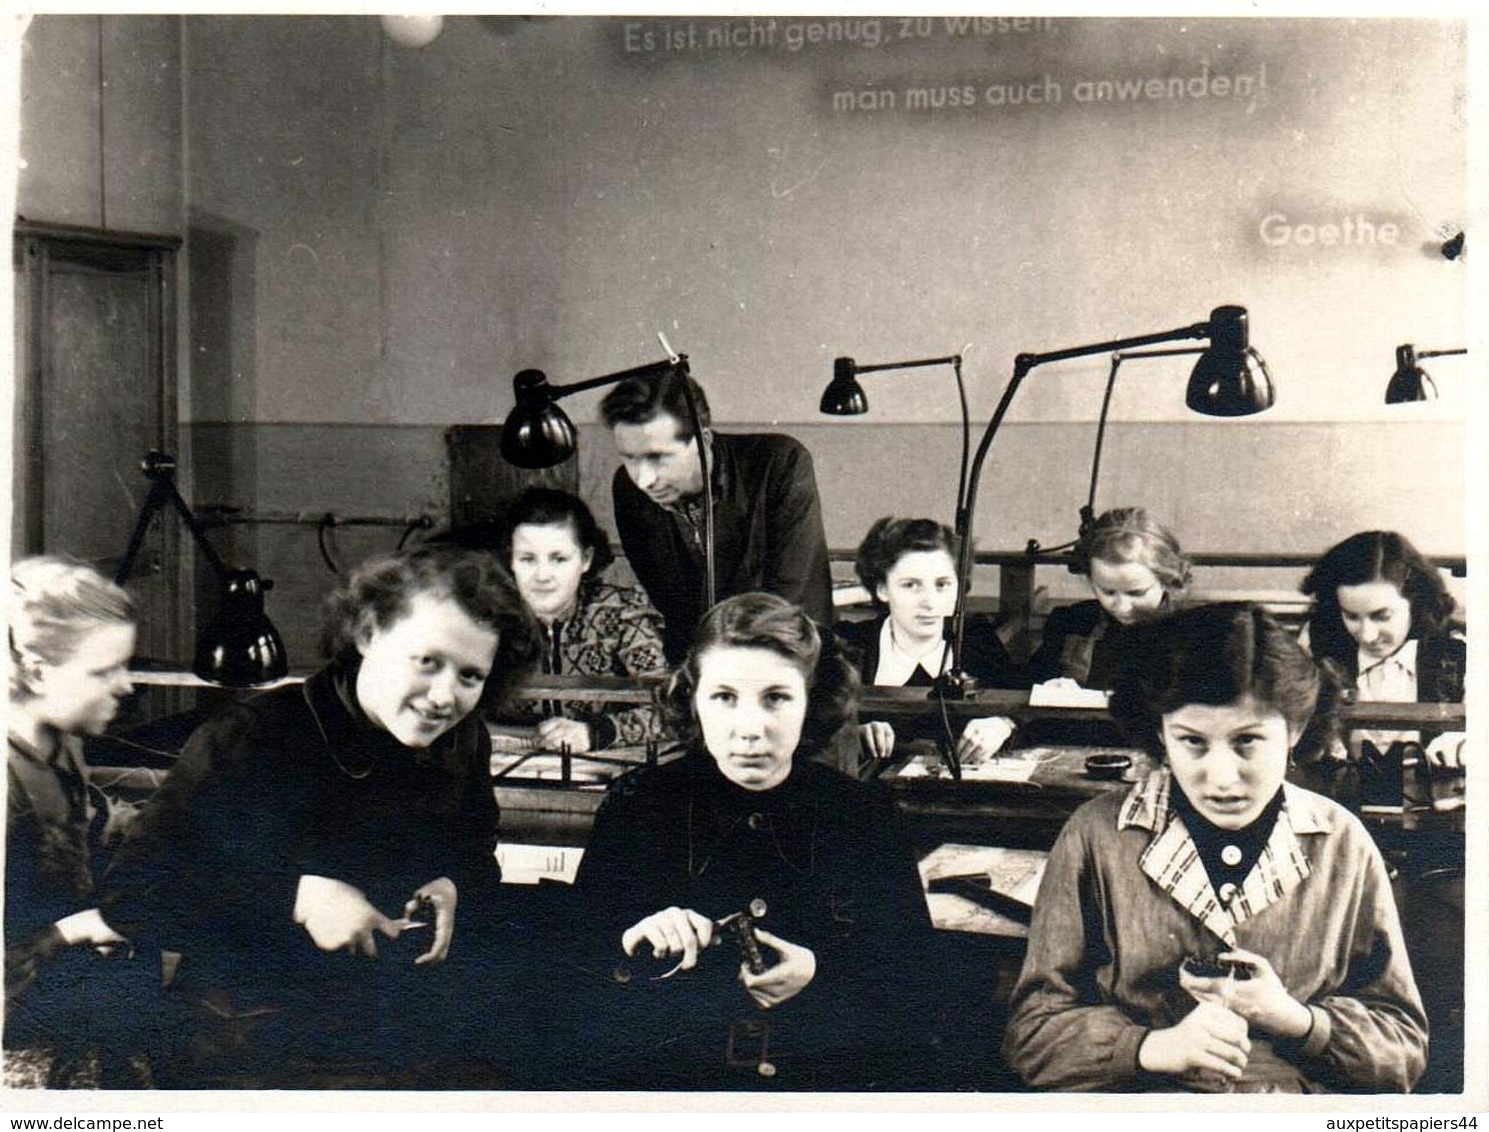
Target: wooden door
<point x="95" y="353"/>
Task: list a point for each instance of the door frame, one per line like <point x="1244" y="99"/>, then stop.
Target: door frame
<point x="37" y="248"/>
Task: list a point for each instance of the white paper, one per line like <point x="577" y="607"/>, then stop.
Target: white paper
<point x="1063" y="693"/>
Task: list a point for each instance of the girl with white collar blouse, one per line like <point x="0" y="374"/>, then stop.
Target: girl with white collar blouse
<point x="1384" y="619"/>
<point x="909" y="568"/>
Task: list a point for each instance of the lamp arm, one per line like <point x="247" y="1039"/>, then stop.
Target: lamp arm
<point x="219" y="568"/>
<point x="952" y="360"/>
<point x="955" y="361"/>
<point x="1088" y="512"/>
<point x="162" y="492"/>
<point x="1022" y="365"/>
<point x="1026" y="362"/>
<point x="154" y="501"/>
<point x="696" y="420"/>
<point x="651" y="369"/>
<point x="961" y="479"/>
<point x="964" y="555"/>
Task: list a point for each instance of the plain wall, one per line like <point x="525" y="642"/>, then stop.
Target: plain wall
<point x="528" y="192"/>
<point x="101" y="133"/>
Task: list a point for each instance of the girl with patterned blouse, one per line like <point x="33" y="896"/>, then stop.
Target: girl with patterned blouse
<point x="557" y="552"/>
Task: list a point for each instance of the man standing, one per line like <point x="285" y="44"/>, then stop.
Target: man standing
<point x="767" y="515"/>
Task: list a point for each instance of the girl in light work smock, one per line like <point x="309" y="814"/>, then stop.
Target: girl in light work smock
<point x="1216" y="928"/>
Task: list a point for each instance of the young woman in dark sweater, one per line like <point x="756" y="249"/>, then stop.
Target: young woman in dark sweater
<point x="749" y="822"/>
<point x="322" y="855"/>
<point x="909" y="568"/>
<point x="1137" y="570"/>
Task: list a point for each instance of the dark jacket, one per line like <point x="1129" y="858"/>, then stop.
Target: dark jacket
<point x="1080" y="641"/>
<point x="1441" y="661"/>
<point x="71" y="1007"/>
<point x="291" y="782"/>
<point x="54" y="835"/>
<point x="986" y="657"/>
<point x="767" y="536"/>
<point x="825" y="854"/>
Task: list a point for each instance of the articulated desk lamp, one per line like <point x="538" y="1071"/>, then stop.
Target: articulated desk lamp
<point x="1088" y="509"/>
<point x="844" y="397"/>
<point x="240" y="647"/>
<point x="538" y="434"/>
<point x="1230" y="379"/>
<point x="1411" y="382"/>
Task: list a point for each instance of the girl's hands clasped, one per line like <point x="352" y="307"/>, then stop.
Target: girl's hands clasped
<point x="1209" y="1040"/>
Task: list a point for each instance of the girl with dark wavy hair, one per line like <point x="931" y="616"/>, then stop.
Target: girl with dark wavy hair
<point x="1383" y="618"/>
<point x="748" y="821"/>
<point x="557" y="554"/>
<point x="909" y="568"/>
<point x="1216" y="928"/>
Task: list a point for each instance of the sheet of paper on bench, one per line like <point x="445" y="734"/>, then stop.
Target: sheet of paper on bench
<point x="1015" y="873"/>
<point x="1057" y="694"/>
<point x="1012" y="767"/>
<point x="528" y="864"/>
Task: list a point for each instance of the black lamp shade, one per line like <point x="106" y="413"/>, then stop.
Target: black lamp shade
<point x="1230" y="379"/>
<point x="1410" y="382"/>
<point x="844" y="397"/>
<point x="536" y="433"/>
<point x="241" y="647"/>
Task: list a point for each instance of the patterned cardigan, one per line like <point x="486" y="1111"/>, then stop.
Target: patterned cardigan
<point x="614" y="631"/>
